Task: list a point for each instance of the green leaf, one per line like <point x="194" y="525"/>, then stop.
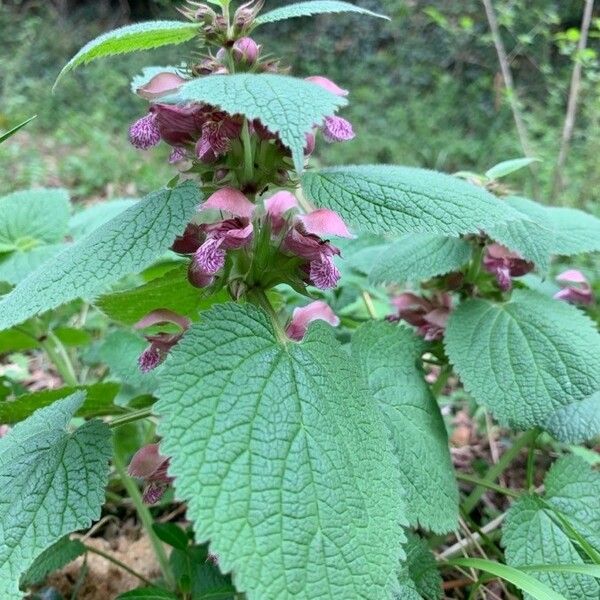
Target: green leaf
<point x="129" y="243"/>
<point x="507" y="167"/>
<point x="171" y="534"/>
<point x="419" y="256"/>
<point x="98" y="402"/>
<point x="307" y="9"/>
<point x="572" y="231"/>
<point x="89" y="219"/>
<point x="171" y="291"/>
<point x="132" y="38"/>
<point x="16" y="340"/>
<point x="576" y="422"/>
<point x="527" y="360"/>
<point x="148" y="593"/>
<point x="523" y="581"/>
<point x="531" y="536"/>
<point x="389" y="199"/>
<point x="55" y="557"/>
<point x="11" y="132"/>
<point x="420" y="571"/>
<point x="285" y="465"/>
<point x="285" y="105"/>
<point x="33" y="225"/>
<point x="573" y="489"/>
<point x="389" y="356"/>
<point x="51" y="483"/>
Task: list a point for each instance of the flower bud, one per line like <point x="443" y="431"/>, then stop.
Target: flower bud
<point x="246" y="50"/>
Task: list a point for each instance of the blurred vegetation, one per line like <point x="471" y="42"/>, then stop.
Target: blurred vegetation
<point x="426" y="90"/>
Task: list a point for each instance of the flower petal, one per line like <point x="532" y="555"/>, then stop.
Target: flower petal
<point x="159" y="85"/>
<point x="572" y="276"/>
<point x="161" y="316"/>
<point x="302" y="317"/>
<point x="324" y="222"/>
<point x="327" y="84"/>
<point x="146" y="462"/>
<point x="232" y="201"/>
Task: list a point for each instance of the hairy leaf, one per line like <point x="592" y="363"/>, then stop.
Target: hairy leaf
<point x="53" y="558"/>
<point x="532" y="536"/>
<point x="316" y="7"/>
<point x="51" y="483"/>
<point x="171" y="291"/>
<point x="573" y="489"/>
<point x="420" y="574"/>
<point x="526" y="359"/>
<point x="127" y="244"/>
<point x="132" y="38"/>
<point x="576" y="422"/>
<point x="285" y="105"/>
<point x="419" y="256"/>
<point x="388" y="356"/>
<point x="98" y="402"/>
<point x="15" y="129"/>
<point x="285" y="465"/>
<point x="389" y="199"/>
<point x="89" y="219"/>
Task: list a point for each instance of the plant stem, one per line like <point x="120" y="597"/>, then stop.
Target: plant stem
<point x="146" y="520"/>
<point x="487" y="484"/>
<point x="369" y="304"/>
<point x="438" y="387"/>
<point x="135" y="415"/>
<point x="467" y="543"/>
<point x="118" y="563"/>
<point x="248" y="154"/>
<point x="258" y="297"/>
<point x="60" y="358"/>
<point x="495" y="470"/>
<point x="530" y="473"/>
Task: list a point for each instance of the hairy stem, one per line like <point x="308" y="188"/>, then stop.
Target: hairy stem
<point x="59" y="357"/>
<point x="488" y="485"/>
<point x="258" y="297"/>
<point x="146" y="520"/>
<point x="495" y="471"/>
<point x="248" y="154"/>
<point x="369" y="304"/>
<point x="136" y="415"/>
<point x="530" y="473"/>
<point x="118" y="563"/>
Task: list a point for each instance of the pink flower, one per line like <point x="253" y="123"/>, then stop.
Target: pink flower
<point x="575" y="294"/>
<point x="324" y="222"/>
<point x="177" y="155"/>
<point x="161" y="84"/>
<point x="337" y="129"/>
<point x="148" y="464"/>
<point x="246" y="50"/>
<point x="430" y="317"/>
<point x="144" y="133"/>
<point x="277" y="206"/>
<point x="302" y="317"/>
<point x="160" y="343"/>
<point x="327" y="84"/>
<point x="230" y="200"/>
<point x="217" y="133"/>
<point x="505" y="265"/>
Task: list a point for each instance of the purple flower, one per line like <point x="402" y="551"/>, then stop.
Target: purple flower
<point x="144" y="133"/>
<point x="323" y="273"/>
<point x="179" y="125"/>
<point x="177" y="155"/>
<point x="505" y="265"/>
<point x="337" y="129"/>
<point x="430" y="317"/>
<point x="246" y="50"/>
<point x="217" y="133"/>
<point x="210" y="257"/>
<point x="581" y="293"/>
<point x="161" y="343"/>
<point x="190" y="240"/>
<point x="302" y="317"/>
<point x="148" y="464"/>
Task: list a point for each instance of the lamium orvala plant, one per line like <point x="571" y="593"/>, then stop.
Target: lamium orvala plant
<point x="297" y="338"/>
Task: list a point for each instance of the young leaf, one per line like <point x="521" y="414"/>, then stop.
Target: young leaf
<point x="53" y="558"/>
<point x="507" y="167"/>
<point x="171" y="534"/>
<point x="127" y="244"/>
<point x="98" y="402"/>
<point x="171" y="291"/>
<point x="307" y="9"/>
<point x="132" y="38"/>
<point x="528" y="359"/>
<point x="420" y="572"/>
<point x="573" y="489"/>
<point x="11" y="132"/>
<point x="285" y="465"/>
<point x="419" y="256"/>
<point x="388" y="356"/>
<point x="51" y="483"/>
<point x="388" y="199"/>
<point x="285" y="105"/>
<point x="534" y="589"/>
<point x="531" y="537"/>
<point x="148" y="593"/>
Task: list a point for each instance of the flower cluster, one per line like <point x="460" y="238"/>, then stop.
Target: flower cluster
<point x="429" y="316"/>
<point x="505" y="265"/>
